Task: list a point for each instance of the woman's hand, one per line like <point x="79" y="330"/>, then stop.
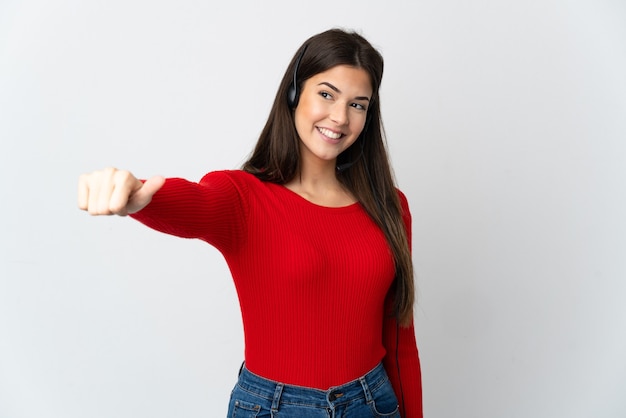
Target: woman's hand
<point x="115" y="192"/>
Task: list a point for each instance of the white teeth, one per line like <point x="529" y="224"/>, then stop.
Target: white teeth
<point x="329" y="133"/>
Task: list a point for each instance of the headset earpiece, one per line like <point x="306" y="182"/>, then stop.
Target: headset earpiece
<point x="293" y="95"/>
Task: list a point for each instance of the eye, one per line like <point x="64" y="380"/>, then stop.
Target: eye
<point x="325" y="95"/>
<point x="358" y="106"/>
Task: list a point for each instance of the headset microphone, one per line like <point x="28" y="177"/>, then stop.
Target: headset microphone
<point x="345" y="166"/>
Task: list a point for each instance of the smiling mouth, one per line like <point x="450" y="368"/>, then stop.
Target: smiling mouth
<point x="330" y="134"/>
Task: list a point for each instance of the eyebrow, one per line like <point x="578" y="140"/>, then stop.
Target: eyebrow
<point x="335" y="89"/>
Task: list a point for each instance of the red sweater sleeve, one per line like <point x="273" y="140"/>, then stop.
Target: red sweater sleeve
<point x="403" y="367"/>
<point x="213" y="210"/>
<point x="402" y="359"/>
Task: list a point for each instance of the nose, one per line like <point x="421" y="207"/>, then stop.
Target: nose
<point x="339" y="114"/>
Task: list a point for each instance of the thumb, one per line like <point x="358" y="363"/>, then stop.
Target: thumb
<point x="143" y="195"/>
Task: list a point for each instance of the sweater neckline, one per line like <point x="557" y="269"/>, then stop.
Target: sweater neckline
<point x="307" y="203"/>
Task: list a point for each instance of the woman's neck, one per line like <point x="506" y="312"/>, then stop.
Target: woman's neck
<point x="319" y="184"/>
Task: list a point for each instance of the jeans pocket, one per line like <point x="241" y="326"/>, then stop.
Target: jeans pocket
<point x="242" y="409"/>
<point x="378" y="410"/>
<point x="384" y="403"/>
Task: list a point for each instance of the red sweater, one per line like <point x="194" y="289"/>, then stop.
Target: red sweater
<point x="311" y="280"/>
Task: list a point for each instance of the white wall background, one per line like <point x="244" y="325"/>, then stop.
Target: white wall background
<point x="507" y="128"/>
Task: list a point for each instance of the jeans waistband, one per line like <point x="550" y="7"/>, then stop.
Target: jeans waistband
<point x="298" y="395"/>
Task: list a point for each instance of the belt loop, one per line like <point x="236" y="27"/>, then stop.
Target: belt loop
<point x="366" y="389"/>
<point x="277" y="393"/>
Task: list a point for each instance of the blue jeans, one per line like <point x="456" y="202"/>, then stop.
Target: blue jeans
<point x="369" y="396"/>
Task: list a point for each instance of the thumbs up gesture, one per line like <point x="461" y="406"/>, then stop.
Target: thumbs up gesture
<point x="115" y="192"/>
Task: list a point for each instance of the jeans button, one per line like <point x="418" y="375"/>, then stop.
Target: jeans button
<point x="334" y="396"/>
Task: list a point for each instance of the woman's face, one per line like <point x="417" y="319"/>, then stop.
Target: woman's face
<point x="331" y="112"/>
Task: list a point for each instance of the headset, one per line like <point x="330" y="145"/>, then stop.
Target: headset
<point x="293" y="94"/>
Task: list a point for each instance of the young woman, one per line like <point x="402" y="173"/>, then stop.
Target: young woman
<point x="317" y="238"/>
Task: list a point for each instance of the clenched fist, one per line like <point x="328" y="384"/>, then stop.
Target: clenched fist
<point x="115" y="192"/>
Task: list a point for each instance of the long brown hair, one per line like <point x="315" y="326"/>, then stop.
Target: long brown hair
<point x="370" y="179"/>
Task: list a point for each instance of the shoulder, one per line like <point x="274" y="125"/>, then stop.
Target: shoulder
<point x="237" y="178"/>
<point x="234" y="175"/>
<point x="405" y="210"/>
<point x="404" y="202"/>
<point x="242" y="183"/>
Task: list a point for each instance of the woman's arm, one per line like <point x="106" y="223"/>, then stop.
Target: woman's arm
<point x="403" y="367"/>
<point x="402" y="361"/>
<point x="212" y="210"/>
